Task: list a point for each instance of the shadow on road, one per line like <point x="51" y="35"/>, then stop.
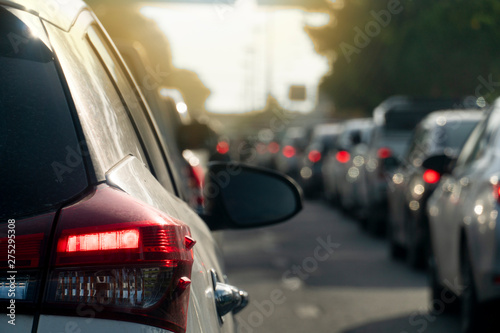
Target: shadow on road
<point x="413" y="323"/>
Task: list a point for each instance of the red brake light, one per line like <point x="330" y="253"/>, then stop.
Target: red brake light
<point x="384" y="152"/>
<point x="343" y="156"/>
<point x="114" y="240"/>
<point x="26" y="247"/>
<point x="431" y="176"/>
<point x="314" y="156"/>
<point x="123" y="256"/>
<point x="288" y="151"/>
<point x="222" y="147"/>
<point x="273" y="147"/>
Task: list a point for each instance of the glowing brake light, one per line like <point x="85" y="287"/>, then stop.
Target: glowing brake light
<point x="384" y="152"/>
<point x="431" y="176"/>
<point x="343" y="156"/>
<point x="273" y="147"/>
<point x="222" y="147"/>
<point x="127" y="258"/>
<point x="288" y="151"/>
<point x="314" y="156"/>
<point x="114" y="240"/>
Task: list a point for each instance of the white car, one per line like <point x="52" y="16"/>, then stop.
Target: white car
<point x="95" y="235"/>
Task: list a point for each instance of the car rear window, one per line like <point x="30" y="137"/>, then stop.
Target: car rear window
<point x="404" y="120"/>
<point x="455" y="134"/>
<point x="40" y="156"/>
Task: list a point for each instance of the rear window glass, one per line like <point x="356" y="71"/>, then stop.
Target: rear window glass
<point x="404" y="121"/>
<point x="40" y="157"/>
<point x="454" y="135"/>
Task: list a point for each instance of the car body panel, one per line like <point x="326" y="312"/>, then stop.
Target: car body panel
<point x="463" y="213"/>
<point x="407" y="191"/>
<point x="121" y="153"/>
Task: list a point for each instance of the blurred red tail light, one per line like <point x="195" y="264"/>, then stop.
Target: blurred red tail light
<point x="343" y="156"/>
<point x="222" y="147"/>
<point x="314" y="156"/>
<point x="431" y="176"/>
<point x="384" y="153"/>
<point x="124" y="258"/>
<point x="273" y="147"/>
<point x="496" y="194"/>
<point x="289" y="151"/>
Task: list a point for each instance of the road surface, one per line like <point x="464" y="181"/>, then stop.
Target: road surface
<point x="320" y="273"/>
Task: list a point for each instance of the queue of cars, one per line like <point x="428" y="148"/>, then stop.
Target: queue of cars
<point x="426" y="173"/>
<point x="97" y="233"/>
<point x="111" y="235"/>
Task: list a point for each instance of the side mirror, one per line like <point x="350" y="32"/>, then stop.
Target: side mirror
<point x="440" y="163"/>
<point x="238" y="196"/>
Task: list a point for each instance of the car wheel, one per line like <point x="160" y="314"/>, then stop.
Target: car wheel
<point x="415" y="251"/>
<point x="441" y="299"/>
<point x="475" y="317"/>
<point x="396" y="251"/>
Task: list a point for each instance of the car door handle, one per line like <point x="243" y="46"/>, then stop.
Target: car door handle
<point x="229" y="298"/>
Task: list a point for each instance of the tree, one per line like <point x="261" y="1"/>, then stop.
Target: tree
<point x="379" y="48"/>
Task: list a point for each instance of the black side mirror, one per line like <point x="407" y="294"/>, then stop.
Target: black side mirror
<point x="443" y="164"/>
<point x="238" y="196"/>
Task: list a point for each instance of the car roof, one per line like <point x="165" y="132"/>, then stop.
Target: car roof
<point x="357" y="123"/>
<point x="326" y="129"/>
<point x="62" y="13"/>
<point x="453" y="116"/>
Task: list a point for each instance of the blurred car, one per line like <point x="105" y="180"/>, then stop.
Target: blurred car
<point x="395" y="120"/>
<point x="463" y="225"/>
<point x="95" y="235"/>
<point x="348" y="185"/>
<point x="322" y="143"/>
<point x="336" y="178"/>
<point x="441" y="132"/>
<point x="293" y="146"/>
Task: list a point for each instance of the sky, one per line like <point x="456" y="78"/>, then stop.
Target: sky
<point x="241" y="52"/>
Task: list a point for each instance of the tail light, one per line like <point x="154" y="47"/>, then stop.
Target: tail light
<point x="431" y="176"/>
<point x="222" y="147"/>
<point x="314" y="156"/>
<point x="289" y="151"/>
<point x="126" y="260"/>
<point x="21" y="249"/>
<point x="384" y="153"/>
<point x="273" y="147"/>
<point x="496" y="191"/>
<point x="343" y="156"/>
<point x="198" y="175"/>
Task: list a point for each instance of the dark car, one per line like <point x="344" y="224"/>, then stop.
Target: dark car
<point x="323" y="141"/>
<point x="338" y="173"/>
<point x="442" y="132"/>
<point x="94" y="233"/>
<point x="293" y="147"/>
<point x="395" y="119"/>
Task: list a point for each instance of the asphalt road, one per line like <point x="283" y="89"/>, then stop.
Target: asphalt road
<point x="320" y="273"/>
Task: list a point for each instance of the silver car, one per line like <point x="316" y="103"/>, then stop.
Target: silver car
<point x="463" y="218"/>
<point x="95" y="233"/>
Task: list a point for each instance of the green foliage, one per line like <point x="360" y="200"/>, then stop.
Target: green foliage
<point x="445" y="48"/>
